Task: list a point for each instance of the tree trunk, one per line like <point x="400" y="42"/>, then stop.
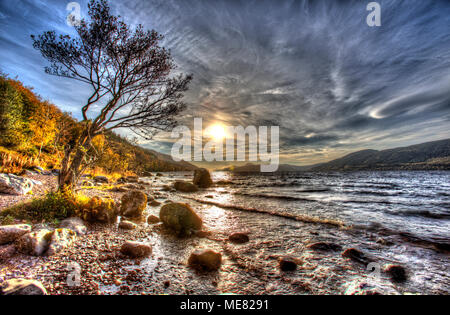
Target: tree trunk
<point x="71" y="167"/>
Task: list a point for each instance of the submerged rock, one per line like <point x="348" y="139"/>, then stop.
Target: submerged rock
<point x="287" y="263"/>
<point x="323" y="246"/>
<point x="181" y="218"/>
<point x="133" y="204"/>
<point x="202" y="178"/>
<point x="153" y="219"/>
<point x="205" y="259"/>
<point x="22" y="287"/>
<point x="75" y="224"/>
<point x="185" y="187"/>
<point x="61" y="239"/>
<point x="136" y="249"/>
<point x="396" y="272"/>
<point x="34" y="243"/>
<point x="239" y="238"/>
<point x="127" y="225"/>
<point x="9" y="233"/>
<point x="356" y="255"/>
<point x="15" y="185"/>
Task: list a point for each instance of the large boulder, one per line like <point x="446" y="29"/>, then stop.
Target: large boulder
<point x="15" y="185"/>
<point x="181" y="218"/>
<point x="133" y="204"/>
<point x="185" y="187"/>
<point x="101" y="210"/>
<point x="75" y="224"/>
<point x="22" y="287"/>
<point x="287" y="263"/>
<point x="9" y="233"/>
<point x="205" y="259"/>
<point x="136" y="249"/>
<point x="202" y="178"/>
<point x="34" y="243"/>
<point x="397" y="273"/>
<point x="61" y="239"/>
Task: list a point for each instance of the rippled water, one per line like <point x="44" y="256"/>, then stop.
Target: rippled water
<point x="410" y="208"/>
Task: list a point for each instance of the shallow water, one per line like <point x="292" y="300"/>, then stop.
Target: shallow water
<point x="410" y="209"/>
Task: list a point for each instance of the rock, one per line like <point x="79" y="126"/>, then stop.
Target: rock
<point x="224" y="183"/>
<point x="9" y="233"/>
<point x="397" y="273"/>
<point x="153" y="219"/>
<point x="75" y="224"/>
<point x="99" y="210"/>
<point x="22" y="287"/>
<point x="323" y="246"/>
<point x="101" y="179"/>
<point x="185" y="187"/>
<point x="127" y="225"/>
<point x="159" y="175"/>
<point x="136" y="249"/>
<point x="154" y="203"/>
<point x="181" y="218"/>
<point x="61" y="239"/>
<point x="287" y="263"/>
<point x="34" y="243"/>
<point x="133" y="204"/>
<point x="356" y="255"/>
<point x="132" y="179"/>
<point x="205" y="259"/>
<point x="87" y="183"/>
<point x="239" y="238"/>
<point x="166" y="188"/>
<point x="202" y="178"/>
<point x="6" y="252"/>
<point x="15" y="185"/>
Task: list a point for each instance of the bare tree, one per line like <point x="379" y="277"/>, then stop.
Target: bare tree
<point x="130" y="76"/>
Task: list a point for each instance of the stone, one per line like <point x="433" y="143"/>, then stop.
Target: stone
<point x="61" y="239"/>
<point x="34" y="243"/>
<point x="324" y="246"/>
<point x="9" y="233"/>
<point x="205" y="259"/>
<point x="101" y="179"/>
<point x="166" y="188"/>
<point x="6" y="252"/>
<point x="202" y="178"/>
<point x="185" y="187"/>
<point x="239" y="238"/>
<point x="154" y="203"/>
<point x="136" y="249"/>
<point x="287" y="264"/>
<point x="132" y="179"/>
<point x="75" y="224"/>
<point x="127" y="225"/>
<point x="99" y="210"/>
<point x="396" y="272"/>
<point x="22" y="287"/>
<point x="153" y="219"/>
<point x="15" y="185"/>
<point x="181" y="218"/>
<point x="133" y="204"/>
<point x="356" y="255"/>
<point x="159" y="175"/>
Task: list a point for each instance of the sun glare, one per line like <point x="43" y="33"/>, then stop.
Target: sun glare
<point x="216" y="132"/>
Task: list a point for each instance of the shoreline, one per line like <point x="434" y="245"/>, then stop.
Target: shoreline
<point x="250" y="268"/>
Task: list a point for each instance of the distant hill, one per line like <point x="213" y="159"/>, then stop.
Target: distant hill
<point x="426" y="156"/>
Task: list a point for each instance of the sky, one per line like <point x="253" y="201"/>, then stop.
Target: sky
<point x="333" y="84"/>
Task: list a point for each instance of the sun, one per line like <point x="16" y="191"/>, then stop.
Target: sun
<point x="216" y="132"/>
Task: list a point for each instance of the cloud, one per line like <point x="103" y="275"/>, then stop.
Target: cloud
<point x="314" y="68"/>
